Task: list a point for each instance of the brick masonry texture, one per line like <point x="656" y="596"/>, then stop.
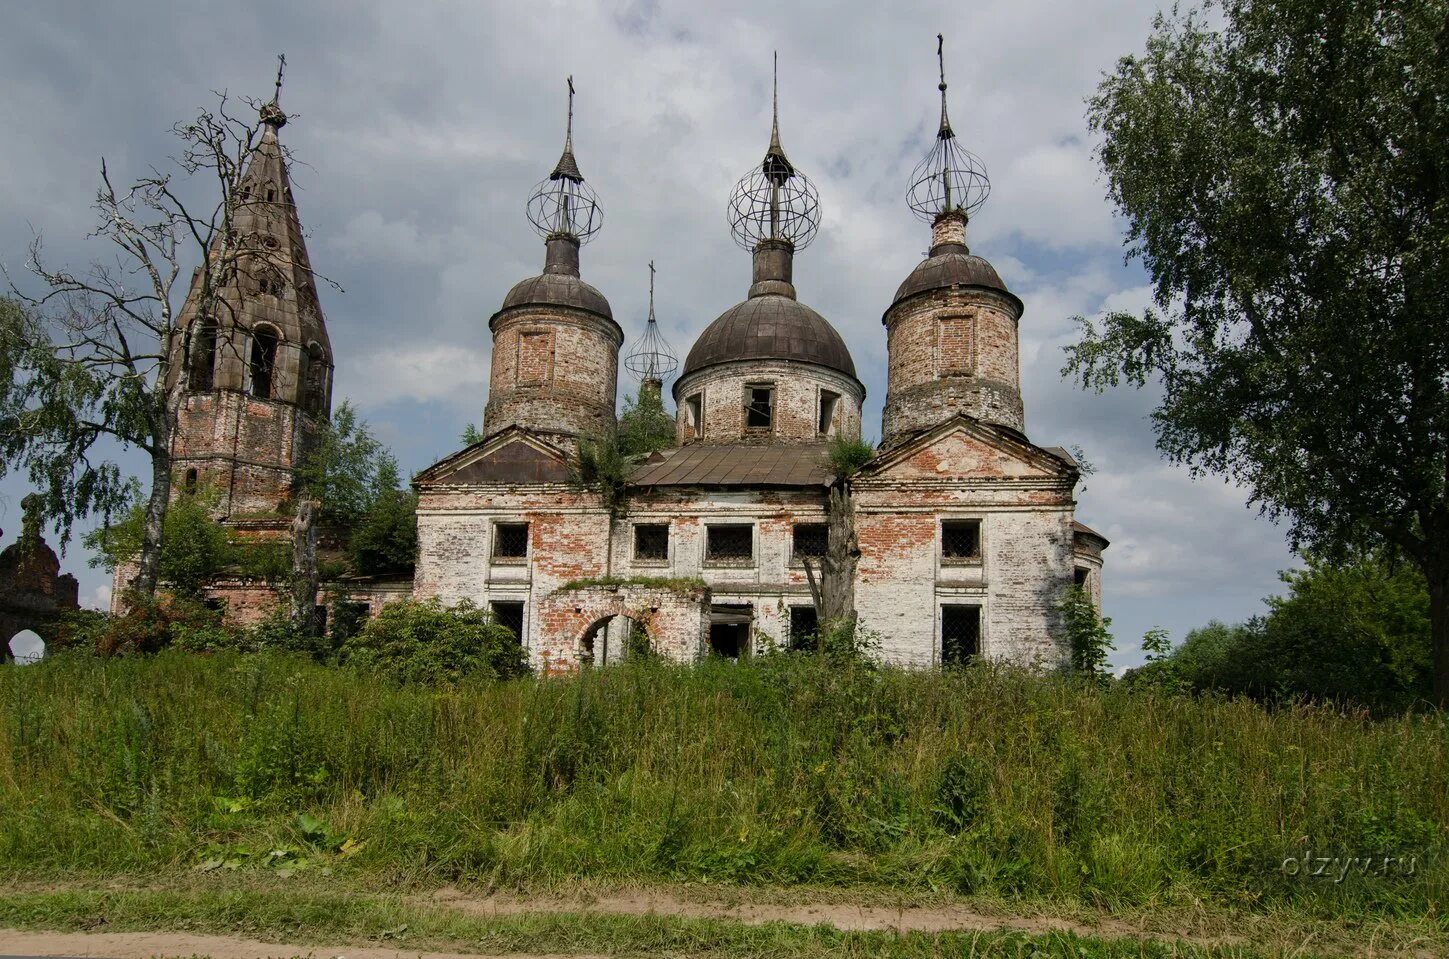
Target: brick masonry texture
<point x="554" y="372"/>
<point x="951" y="351"/>
<point x="798" y="388"/>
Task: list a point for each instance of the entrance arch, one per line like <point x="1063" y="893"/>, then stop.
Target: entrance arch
<point x="591" y="625"/>
<point x="26" y="646"/>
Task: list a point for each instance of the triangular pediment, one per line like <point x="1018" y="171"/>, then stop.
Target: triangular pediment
<point x="511" y="457"/>
<point x="962" y="449"/>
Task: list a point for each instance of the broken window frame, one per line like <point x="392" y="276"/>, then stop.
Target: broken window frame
<point x="714" y="558"/>
<point x="799" y="637"/>
<point x="651" y="530"/>
<point x="505" y="534"/>
<point x="694" y="414"/>
<point x="518" y="605"/>
<point x="951" y="528"/>
<point x="951" y="653"/>
<point x="821" y="529"/>
<point x="753" y="407"/>
<point x="825" y="413"/>
<point x="266" y="342"/>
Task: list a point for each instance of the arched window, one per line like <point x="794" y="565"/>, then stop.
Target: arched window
<point x="263" y="360"/>
<point x="203" y="356"/>
<point x="190" y="483"/>
<point x="314" y="395"/>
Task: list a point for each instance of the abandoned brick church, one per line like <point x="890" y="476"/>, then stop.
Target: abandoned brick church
<point x="966" y="531"/>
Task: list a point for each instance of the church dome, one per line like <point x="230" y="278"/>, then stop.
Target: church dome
<point x="950" y="265"/>
<point x="773" y="327"/>
<point x="558" y="289"/>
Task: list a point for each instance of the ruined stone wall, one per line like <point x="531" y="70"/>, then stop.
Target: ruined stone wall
<point x="243" y="447"/>
<point x="952" y="351"/>
<point x="797" y="387"/>
<point x="675" y="620"/>
<point x="554" y="371"/>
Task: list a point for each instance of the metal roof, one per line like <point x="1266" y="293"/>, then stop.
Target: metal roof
<point x="770" y="327"/>
<point x="558" y="289"/>
<point x="950" y="265"/>
<point x="737" y="464"/>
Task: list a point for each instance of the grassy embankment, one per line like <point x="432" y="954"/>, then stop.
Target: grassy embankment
<point x="781" y="773"/>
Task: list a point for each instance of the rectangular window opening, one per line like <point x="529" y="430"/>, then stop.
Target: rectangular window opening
<point x="803" y="625"/>
<point x="809" y="540"/>
<point x="509" y="615"/>
<point x="651" y="542"/>
<point x="960" y="634"/>
<point x="510" y="541"/>
<point x="694" y="406"/>
<point x="732" y="545"/>
<point x="1079" y="577"/>
<point x="828" y="401"/>
<point x="759" y="407"/>
<point x="961" y="540"/>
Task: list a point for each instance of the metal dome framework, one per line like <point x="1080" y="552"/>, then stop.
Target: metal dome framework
<point x="951" y="179"/>
<point x="652" y="359"/>
<point x="774" y="201"/>
<point x="563" y="205"/>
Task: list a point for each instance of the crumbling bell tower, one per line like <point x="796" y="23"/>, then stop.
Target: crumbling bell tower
<point x="260" y="377"/>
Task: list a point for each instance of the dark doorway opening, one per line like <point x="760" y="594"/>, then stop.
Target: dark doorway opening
<point x="729" y="630"/>
<point x="509" y="615"/>
<point x="960" y="634"/>
<point x="803" y="625"/>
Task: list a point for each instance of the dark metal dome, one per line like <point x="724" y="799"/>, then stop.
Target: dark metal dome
<point x="558" y="289"/>
<point x="950" y="265"/>
<point x="770" y="327"/>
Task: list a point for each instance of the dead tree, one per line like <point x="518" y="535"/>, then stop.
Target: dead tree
<point x="833" y="590"/>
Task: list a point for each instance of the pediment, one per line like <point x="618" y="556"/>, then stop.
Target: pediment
<point x="963" y="449"/>
<point x="512" y="457"/>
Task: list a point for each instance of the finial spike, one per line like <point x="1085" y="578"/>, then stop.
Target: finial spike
<point x="651" y="291"/>
<point x="281" y="68"/>
<point x="569" y="135"/>
<point x="945" y="132"/>
<point x="568" y="167"/>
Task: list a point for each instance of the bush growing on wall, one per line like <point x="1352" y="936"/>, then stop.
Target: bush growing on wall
<point x="427" y="642"/>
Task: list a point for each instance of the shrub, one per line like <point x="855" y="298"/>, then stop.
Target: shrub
<point x="427" y="642"/>
<point x="151" y="623"/>
<point x="848" y="454"/>
<point x="1086" y="633"/>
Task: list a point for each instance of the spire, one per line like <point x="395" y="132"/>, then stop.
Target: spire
<point x="652" y="361"/>
<point x="776" y="163"/>
<point x="568" y="167"/>
<point x="651" y="320"/>
<point x="945" y="132"/>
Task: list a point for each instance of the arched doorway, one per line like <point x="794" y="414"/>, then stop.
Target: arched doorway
<point x="26" y="646"/>
<point x="612" y="639"/>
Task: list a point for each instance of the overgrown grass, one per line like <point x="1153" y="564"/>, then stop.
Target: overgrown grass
<point x="783" y="771"/>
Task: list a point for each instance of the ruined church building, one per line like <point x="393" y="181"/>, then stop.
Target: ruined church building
<point x="966" y="529"/>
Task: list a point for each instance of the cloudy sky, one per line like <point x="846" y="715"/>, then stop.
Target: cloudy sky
<point x="420" y="128"/>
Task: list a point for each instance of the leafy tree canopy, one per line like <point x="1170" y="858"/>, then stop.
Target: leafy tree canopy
<point x="1285" y="182"/>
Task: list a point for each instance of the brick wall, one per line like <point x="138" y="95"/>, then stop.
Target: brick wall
<point x="554" y="371"/>
<point x="797" y="392"/>
<point x="951" y="351"/>
<point x="244" y="447"/>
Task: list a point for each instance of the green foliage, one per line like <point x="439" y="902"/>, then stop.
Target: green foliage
<point x="781" y="770"/>
<point x="195" y="548"/>
<point x="644" y="426"/>
<point x="471" y="434"/>
<point x="152" y="623"/>
<point x="602" y="465"/>
<point x="427" y="642"/>
<point x="1284" y="182"/>
<point x="347" y="469"/>
<point x="386" y="540"/>
<point x="849" y="454"/>
<point x="1087" y="634"/>
<point x="1352" y="633"/>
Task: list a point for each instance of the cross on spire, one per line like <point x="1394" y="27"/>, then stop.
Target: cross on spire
<point x="945" y="133"/>
<point x="777" y="165"/>
<point x="651" y="291"/>
<point x="568" y="167"/>
<point x="271" y="113"/>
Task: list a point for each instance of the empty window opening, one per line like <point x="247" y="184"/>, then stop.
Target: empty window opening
<point x="203" y="356"/>
<point x="348" y="617"/>
<point x="315" y="392"/>
<point x="694" y="407"/>
<point x="828" y="402"/>
<point x="319" y="620"/>
<point x="961" y="540"/>
<point x="729" y="630"/>
<point x="190" y="484"/>
<point x="651" y="542"/>
<point x="809" y="540"/>
<point x="271" y="194"/>
<point x="263" y="361"/>
<point x="1079" y="577"/>
<point x="759" y="407"/>
<point x="271" y="283"/>
<point x="732" y="545"/>
<point x="509" y="615"/>
<point x="510" y="541"/>
<point x="960" y="634"/>
<point x="803" y="625"/>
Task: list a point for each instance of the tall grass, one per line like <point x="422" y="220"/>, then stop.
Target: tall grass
<point x="779" y="772"/>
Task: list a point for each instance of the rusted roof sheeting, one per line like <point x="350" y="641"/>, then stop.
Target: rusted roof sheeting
<point x="737" y="465"/>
